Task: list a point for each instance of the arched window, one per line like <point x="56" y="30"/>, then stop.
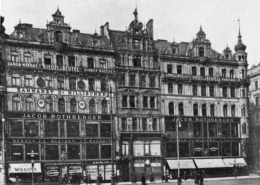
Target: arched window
<point x="181" y="111"/>
<point x="16" y="103"/>
<point x="204" y="109"/>
<point x="123" y="124"/>
<point x="61" y="105"/>
<point x="243" y="111"/>
<point x="134" y="124"/>
<point x="144" y="124"/>
<point x="104" y="106"/>
<point x="154" y="124"/>
<point x="233" y="110"/>
<point x="195" y="109"/>
<point x="92" y="106"/>
<point x="58" y="36"/>
<point x="29" y="104"/>
<point x="49" y="104"/>
<point x="201" y="51"/>
<point x="212" y="110"/>
<point x="244" y="128"/>
<point x="225" y="110"/>
<point x="73" y="105"/>
<point x="171" y="108"/>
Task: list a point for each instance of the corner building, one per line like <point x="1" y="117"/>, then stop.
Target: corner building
<point x="58" y="103"/>
<point x="207" y="91"/>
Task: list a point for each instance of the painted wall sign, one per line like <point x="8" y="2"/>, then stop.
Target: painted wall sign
<point x="203" y="119"/>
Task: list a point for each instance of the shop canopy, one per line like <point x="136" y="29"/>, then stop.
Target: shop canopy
<point x="209" y="163"/>
<point x="25" y="168"/>
<point x="230" y="162"/>
<point x="184" y="164"/>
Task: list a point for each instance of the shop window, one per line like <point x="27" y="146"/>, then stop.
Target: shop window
<point x="170" y="125"/>
<point x="211" y="91"/>
<point x="62" y="129"/>
<point x="103" y="85"/>
<point x="142" y="81"/>
<point x="232" y="73"/>
<point x="171" y="150"/>
<point x="225" y="109"/>
<point x="51" y="128"/>
<point x="226" y="150"/>
<point x="197" y="129"/>
<point x="47" y="60"/>
<point x="144" y="124"/>
<point x="61" y="105"/>
<point x="243" y="111"/>
<point x="29" y="104"/>
<point x="205" y="130"/>
<point x="28" y="81"/>
<point x="31" y="129"/>
<point x="16" y="103"/>
<point x="204" y="109"/>
<point x="59" y="61"/>
<point x="48" y="81"/>
<point x="226" y="129"/>
<point x="170" y="87"/>
<point x="203" y="90"/>
<point x="145" y="102"/>
<point x="206" y="149"/>
<point x="123" y="124"/>
<point x="73" y="151"/>
<point x="16" y="152"/>
<point x="234" y="129"/>
<point x="244" y="128"/>
<point x="134" y="124"/>
<point x="212" y="130"/>
<point x="211" y="72"/>
<point x="132" y="80"/>
<point x="152" y="81"/>
<point x="16" y="128"/>
<point x="15" y="80"/>
<point x="212" y="110"/>
<point x="183" y="127"/>
<point x="91" y="84"/>
<point x="125" y="148"/>
<point x="72" y="83"/>
<point x="31" y="148"/>
<point x="197" y="151"/>
<point x="91" y="130"/>
<point x="52" y="152"/>
<point x="155" y="147"/>
<point x="73" y="105"/>
<point x="195" y="109"/>
<point x="105" y="151"/>
<point x="52" y="174"/>
<point x="232" y="92"/>
<point x="122" y="79"/>
<point x="179" y="69"/>
<point x="132" y="101"/>
<point x="137" y="61"/>
<point x="154" y="126"/>
<point x="171" y="108"/>
<point x="169" y="68"/>
<point x="124" y="101"/>
<point x="58" y="36"/>
<point x="181" y="109"/>
<point x="235" y="151"/>
<point x="104" y="106"/>
<point x="180" y="89"/>
<point x="92" y="106"/>
<point x="60" y="82"/>
<point x="213" y="149"/>
<point x="202" y="71"/>
<point x="233" y="110"/>
<point x="194" y="71"/>
<point x="14" y="58"/>
<point x="194" y="90"/>
<point x="92" y="151"/>
<point x="201" y="51"/>
<point x="138" y="148"/>
<point x="71" y="61"/>
<point x="90" y="63"/>
<point x="184" y="149"/>
<point x="105" y="130"/>
<point x="49" y="104"/>
<point x="72" y="129"/>
<point x="152" y="102"/>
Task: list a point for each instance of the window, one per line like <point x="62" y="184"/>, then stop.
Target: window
<point x="123" y="124"/>
<point x="170" y="88"/>
<point x="102" y="64"/>
<point x="136" y="44"/>
<point x="203" y="90"/>
<point x="201" y="51"/>
<point x="195" y="109"/>
<point x="29" y="104"/>
<point x="91" y="84"/>
<point x="211" y="72"/>
<point x="179" y="69"/>
<point x="92" y="151"/>
<point x="197" y="129"/>
<point x="244" y="128"/>
<point x="204" y="109"/>
<point x="49" y="104"/>
<point x="122" y="79"/>
<point x="132" y="101"/>
<point x="194" y="90"/>
<point x="211" y="91"/>
<point x="212" y="130"/>
<point x="233" y="110"/>
<point x="152" y="81"/>
<point x="103" y="85"/>
<point x="243" y="111"/>
<point x="51" y="128"/>
<point x="171" y="108"/>
<point x="105" y="130"/>
<point x="32" y="148"/>
<point x="169" y="68"/>
<point x="71" y="61"/>
<point x="243" y="93"/>
<point x="16" y="152"/>
<point x="145" y="102"/>
<point x="179" y="88"/>
<point x="202" y="71"/>
<point x="52" y="152"/>
<point x="232" y="92"/>
<point x="232" y="73"/>
<point x="48" y="81"/>
<point x="224" y="91"/>
<point x="58" y="36"/>
<point x="72" y="129"/>
<point x="105" y="151"/>
<point x="152" y="102"/>
<point x="90" y="63"/>
<point x="144" y="124"/>
<point x="212" y="110"/>
<point x="16" y="103"/>
<point x="225" y="110"/>
<point x="194" y="71"/>
<point x="181" y="111"/>
<point x="134" y="124"/>
<point x="59" y="61"/>
<point x="226" y="129"/>
<point x="256" y="84"/>
<point x="256" y="100"/>
<point x="60" y="82"/>
<point x="91" y="130"/>
<point x="15" y="58"/>
<point x="28" y="81"/>
<point x="15" y="80"/>
<point x="104" y="106"/>
<point x="125" y="148"/>
<point x="31" y="129"/>
<point x="73" y="105"/>
<point x="16" y="128"/>
<point x="47" y="60"/>
<point x="92" y="106"/>
<point x="224" y="73"/>
<point x="154" y="126"/>
<point x="73" y="151"/>
<point x="132" y="80"/>
<point x="124" y="101"/>
<point x="61" y="105"/>
<point x="137" y="61"/>
<point x="72" y="83"/>
<point x="27" y="58"/>
<point x="142" y="81"/>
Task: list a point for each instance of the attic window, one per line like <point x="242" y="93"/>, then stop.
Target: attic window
<point x="201" y="51"/>
<point x="58" y="36"/>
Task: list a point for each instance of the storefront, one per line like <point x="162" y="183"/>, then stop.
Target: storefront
<point x="239" y="164"/>
<point x="186" y="166"/>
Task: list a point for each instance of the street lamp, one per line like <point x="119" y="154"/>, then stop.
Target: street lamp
<point x="178" y="124"/>
<point x="3" y="143"/>
<point x="32" y="156"/>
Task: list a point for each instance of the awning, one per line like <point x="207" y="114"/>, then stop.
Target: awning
<point x="184" y="164"/>
<point x="239" y="162"/>
<point x="209" y="163"/>
<point x="25" y="168"/>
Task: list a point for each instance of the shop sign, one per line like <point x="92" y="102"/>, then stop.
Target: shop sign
<point x="25" y="168"/>
<point x="139" y="116"/>
<point x="198" y="149"/>
<point x="156" y="164"/>
<point x="75" y="169"/>
<point x="52" y="171"/>
<point x="213" y="149"/>
<point x="58" y="92"/>
<point x="203" y="119"/>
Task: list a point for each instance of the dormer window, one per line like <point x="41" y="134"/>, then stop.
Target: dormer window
<point x="227" y="56"/>
<point x="201" y="51"/>
<point x="58" y="36"/>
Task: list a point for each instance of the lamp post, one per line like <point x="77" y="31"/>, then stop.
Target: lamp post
<point x="3" y="142"/>
<point x="32" y="156"/>
<point x="178" y="124"/>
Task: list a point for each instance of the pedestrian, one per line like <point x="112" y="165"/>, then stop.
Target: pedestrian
<point x="151" y="177"/>
<point x="196" y="178"/>
<point x="134" y="178"/>
<point x="88" y="179"/>
<point x="179" y="180"/>
<point x="201" y="178"/>
<point x="143" y="178"/>
<point x="98" y="180"/>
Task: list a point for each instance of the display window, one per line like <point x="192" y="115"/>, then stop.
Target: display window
<point x="91" y="130"/>
<point x="32" y="152"/>
<point x="72" y="129"/>
<point x="197" y="129"/>
<point x="75" y="174"/>
<point x="73" y="151"/>
<point x="92" y="151"/>
<point x="213" y="149"/>
<point x="51" y="128"/>
<point x="52" y="152"/>
<point x="105" y="151"/>
<point x="197" y="150"/>
<point x="105" y="130"/>
<point x="16" y="152"/>
<point x="31" y="129"/>
<point x="52" y="173"/>
<point x="16" y="128"/>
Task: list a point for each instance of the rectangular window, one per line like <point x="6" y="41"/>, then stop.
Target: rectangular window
<point x="136" y="44"/>
<point x="211" y="72"/>
<point x="180" y="89"/>
<point x="170" y="88"/>
<point x="213" y="130"/>
<point x="52" y="152"/>
<point x="73" y="151"/>
<point x="152" y="102"/>
<point x="105" y="151"/>
<point x="194" y="71"/>
<point x="232" y="73"/>
<point x="102" y="64"/>
<point x="47" y="60"/>
<point x="205" y="130"/>
<point x="51" y="128"/>
<point x="197" y="129"/>
<point x="211" y="91"/>
<point x="28" y="82"/>
<point x="234" y="129"/>
<point x="90" y="63"/>
<point x="201" y="51"/>
<point x="124" y="101"/>
<point x="179" y="69"/>
<point x="16" y="152"/>
<point x="142" y="81"/>
<point x="91" y="84"/>
<point x="60" y="82"/>
<point x="105" y="130"/>
<point x="132" y="80"/>
<point x="15" y="58"/>
<point x="15" y="81"/>
<point x="71" y="61"/>
<point x="132" y="101"/>
<point x="27" y="59"/>
<point x="194" y="90"/>
<point x="232" y="92"/>
<point x="72" y="129"/>
<point x="145" y="102"/>
<point x="72" y="83"/>
<point x="226" y="129"/>
<point x="91" y="130"/>
<point x="122" y="79"/>
<point x="202" y="71"/>
<point x="28" y="149"/>
<point x="203" y="90"/>
<point x="48" y="81"/>
<point x="16" y="129"/>
<point x="92" y="151"/>
<point x="224" y="73"/>
<point x="31" y="129"/>
<point x="137" y="61"/>
<point x="224" y="91"/>
<point x="256" y="84"/>
<point x="152" y="81"/>
<point x="256" y="100"/>
<point x="169" y="68"/>
<point x="59" y="61"/>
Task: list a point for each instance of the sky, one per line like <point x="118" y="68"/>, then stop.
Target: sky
<point x="177" y="20"/>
